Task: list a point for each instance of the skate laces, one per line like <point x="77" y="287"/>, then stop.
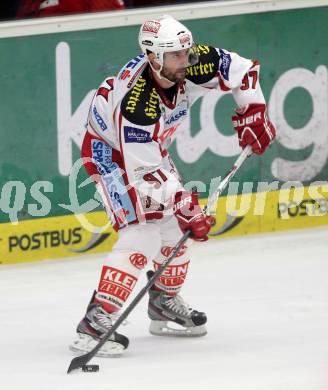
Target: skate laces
<point x="116" y="316"/>
<point x="104" y="318"/>
<point x="108" y="319"/>
<point x="178" y="305"/>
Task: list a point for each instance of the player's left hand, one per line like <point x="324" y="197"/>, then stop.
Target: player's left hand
<point x="254" y="127"/>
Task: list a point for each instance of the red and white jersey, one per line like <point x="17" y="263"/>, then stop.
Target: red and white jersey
<point x="137" y="118"/>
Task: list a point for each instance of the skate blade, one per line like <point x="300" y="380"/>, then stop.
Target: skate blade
<point x="86" y="343"/>
<point x="163" y="328"/>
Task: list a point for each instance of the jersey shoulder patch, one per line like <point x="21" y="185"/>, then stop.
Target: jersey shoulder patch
<point x="207" y="66"/>
<point x="141" y="104"/>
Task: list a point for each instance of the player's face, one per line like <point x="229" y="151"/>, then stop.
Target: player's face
<point x="175" y="64"/>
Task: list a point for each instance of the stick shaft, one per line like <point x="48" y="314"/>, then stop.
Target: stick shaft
<point x="210" y="209"/>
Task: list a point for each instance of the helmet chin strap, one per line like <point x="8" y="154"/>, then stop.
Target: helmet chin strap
<point x="158" y="73"/>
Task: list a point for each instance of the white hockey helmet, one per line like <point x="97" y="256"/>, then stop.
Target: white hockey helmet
<point x="166" y="34"/>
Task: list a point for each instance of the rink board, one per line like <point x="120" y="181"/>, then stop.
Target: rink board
<point x="55" y="237"/>
<point x="271" y="211"/>
<point x="66" y="236"/>
<point x="48" y="83"/>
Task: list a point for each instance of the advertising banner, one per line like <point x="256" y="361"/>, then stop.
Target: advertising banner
<point x="55" y="237"/>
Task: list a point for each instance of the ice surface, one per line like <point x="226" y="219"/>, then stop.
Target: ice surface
<point x="266" y="298"/>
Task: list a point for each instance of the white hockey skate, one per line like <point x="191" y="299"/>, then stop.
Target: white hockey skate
<point x="95" y="324"/>
<point x="172" y="316"/>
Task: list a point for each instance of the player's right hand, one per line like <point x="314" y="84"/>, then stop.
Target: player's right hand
<point x="190" y="215"/>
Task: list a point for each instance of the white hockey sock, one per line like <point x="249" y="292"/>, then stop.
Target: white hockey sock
<point x="175" y="274"/>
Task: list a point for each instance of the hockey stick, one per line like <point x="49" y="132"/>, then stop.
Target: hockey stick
<point x="81" y="361"/>
<point x="210" y="208"/>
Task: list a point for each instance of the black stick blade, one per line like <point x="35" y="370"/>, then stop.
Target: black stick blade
<point x="78" y="362"/>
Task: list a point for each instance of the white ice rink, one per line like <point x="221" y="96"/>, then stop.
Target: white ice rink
<point x="266" y="298"/>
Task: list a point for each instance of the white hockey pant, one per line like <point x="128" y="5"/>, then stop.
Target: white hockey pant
<point x="137" y="245"/>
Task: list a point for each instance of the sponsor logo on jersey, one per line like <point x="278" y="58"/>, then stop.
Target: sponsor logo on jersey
<point x="180" y="111"/>
<point x="173" y="275"/>
<point x="117" y="284"/>
<point x="134" y="77"/>
<point x="134" y="95"/>
<point x="119" y="198"/>
<point x="126" y="71"/>
<point x="151" y="26"/>
<point x="200" y="69"/>
<point x="133" y="134"/>
<point x="122" y="278"/>
<point x="99" y="119"/>
<point x="125" y="74"/>
<point x="138" y="260"/>
<point x="134" y="62"/>
<point x="175" y="117"/>
<point x="201" y="49"/>
<point x="102" y="156"/>
<point x="152" y="104"/>
<point x="225" y="64"/>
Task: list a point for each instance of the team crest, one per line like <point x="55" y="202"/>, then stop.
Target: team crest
<point x="138" y="260"/>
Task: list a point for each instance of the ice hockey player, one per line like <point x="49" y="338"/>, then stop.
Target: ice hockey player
<point x="131" y="120"/>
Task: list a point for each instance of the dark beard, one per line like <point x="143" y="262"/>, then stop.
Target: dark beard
<point x="173" y="77"/>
